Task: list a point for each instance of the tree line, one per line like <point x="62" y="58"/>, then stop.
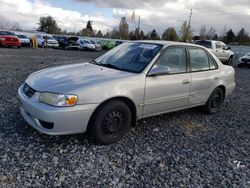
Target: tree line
<point x="48" y="24"/>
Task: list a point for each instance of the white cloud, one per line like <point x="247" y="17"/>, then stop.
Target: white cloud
<point x="158" y="14"/>
<point x="27" y="14"/>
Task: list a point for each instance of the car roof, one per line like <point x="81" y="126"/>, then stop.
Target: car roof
<point x="168" y="43"/>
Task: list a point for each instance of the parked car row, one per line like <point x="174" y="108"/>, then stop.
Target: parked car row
<point x="43" y="40"/>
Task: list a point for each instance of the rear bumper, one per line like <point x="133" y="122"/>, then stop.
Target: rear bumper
<point x="230" y="88"/>
<point x="65" y="120"/>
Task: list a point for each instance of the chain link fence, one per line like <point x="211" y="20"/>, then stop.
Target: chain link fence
<point x="240" y="51"/>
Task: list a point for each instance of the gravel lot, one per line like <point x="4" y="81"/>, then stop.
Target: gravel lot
<point x="181" y="149"/>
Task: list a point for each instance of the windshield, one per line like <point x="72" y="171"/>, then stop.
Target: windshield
<point x="48" y="37"/>
<point x="87" y="42"/>
<point x="204" y="43"/>
<point x="22" y="36"/>
<point x="131" y="57"/>
<point x="7" y="33"/>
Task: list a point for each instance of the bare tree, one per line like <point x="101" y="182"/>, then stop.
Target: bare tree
<point x="6" y="24"/>
<point x="203" y="34"/>
<point x="211" y="33"/>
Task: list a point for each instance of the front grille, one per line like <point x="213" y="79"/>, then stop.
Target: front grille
<point x="245" y="60"/>
<point x="28" y="91"/>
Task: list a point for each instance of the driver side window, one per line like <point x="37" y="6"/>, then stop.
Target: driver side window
<point x="174" y="59"/>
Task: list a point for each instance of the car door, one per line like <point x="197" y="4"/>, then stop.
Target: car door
<point x="171" y="91"/>
<point x="219" y="51"/>
<point x="204" y="76"/>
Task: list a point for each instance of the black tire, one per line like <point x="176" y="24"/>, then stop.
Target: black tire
<point x="215" y="101"/>
<point x="110" y="122"/>
<point x="230" y="60"/>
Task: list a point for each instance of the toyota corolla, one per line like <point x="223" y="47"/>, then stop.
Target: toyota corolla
<point x="107" y="95"/>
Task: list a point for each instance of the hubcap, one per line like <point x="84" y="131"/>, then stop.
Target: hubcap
<point x="112" y="123"/>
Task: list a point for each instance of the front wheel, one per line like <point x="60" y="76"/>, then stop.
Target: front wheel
<point x="215" y="101"/>
<point x="111" y="122"/>
<point x="230" y="61"/>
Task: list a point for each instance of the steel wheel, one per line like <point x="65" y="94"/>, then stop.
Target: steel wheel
<point x="215" y="101"/>
<point x="110" y="122"/>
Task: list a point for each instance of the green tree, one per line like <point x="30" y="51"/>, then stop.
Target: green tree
<point x="88" y="31"/>
<point x="229" y="37"/>
<point x="115" y="34"/>
<point x="242" y="37"/>
<point x="215" y="37"/>
<point x="124" y="29"/>
<point x="185" y="32"/>
<point x="142" y="35"/>
<point x="154" y="35"/>
<point x="48" y="24"/>
<point x="170" y="34"/>
<point x="99" y="34"/>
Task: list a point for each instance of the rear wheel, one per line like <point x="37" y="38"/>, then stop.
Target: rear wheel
<point x="111" y="122"/>
<point x="215" y="101"/>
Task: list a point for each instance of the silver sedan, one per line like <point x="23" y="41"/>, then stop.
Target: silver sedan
<point x="105" y="96"/>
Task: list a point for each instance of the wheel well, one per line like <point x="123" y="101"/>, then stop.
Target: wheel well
<point x="126" y="100"/>
<point x="223" y="89"/>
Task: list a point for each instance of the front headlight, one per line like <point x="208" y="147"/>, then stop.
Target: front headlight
<point x="58" y="99"/>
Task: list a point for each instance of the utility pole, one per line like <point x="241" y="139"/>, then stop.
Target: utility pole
<point x="188" y="27"/>
<point x="139" y="21"/>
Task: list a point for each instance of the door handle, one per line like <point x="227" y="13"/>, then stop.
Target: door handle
<point x="185" y="81"/>
<point x="216" y="78"/>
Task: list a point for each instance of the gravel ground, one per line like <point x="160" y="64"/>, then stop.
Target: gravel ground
<point x="181" y="149"/>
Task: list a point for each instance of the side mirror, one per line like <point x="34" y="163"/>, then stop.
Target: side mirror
<point x="159" y="70"/>
<point x="227" y="48"/>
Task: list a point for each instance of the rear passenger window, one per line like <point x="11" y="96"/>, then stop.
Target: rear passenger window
<point x="218" y="45"/>
<point x="199" y="59"/>
<point x="212" y="63"/>
<point x="175" y="59"/>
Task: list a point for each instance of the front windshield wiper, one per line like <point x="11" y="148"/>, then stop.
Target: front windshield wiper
<point x="111" y="66"/>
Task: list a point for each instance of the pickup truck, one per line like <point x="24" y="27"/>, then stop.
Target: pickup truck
<point x="219" y="49"/>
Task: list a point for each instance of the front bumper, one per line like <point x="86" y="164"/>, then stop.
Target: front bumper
<point x="10" y="43"/>
<point x="65" y="120"/>
<point x="50" y="45"/>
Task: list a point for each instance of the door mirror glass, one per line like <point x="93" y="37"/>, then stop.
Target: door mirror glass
<point x="158" y="70"/>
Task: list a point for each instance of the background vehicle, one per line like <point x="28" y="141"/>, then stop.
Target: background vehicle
<point x="98" y="47"/>
<point x="25" y="41"/>
<point x="50" y="42"/>
<point x="8" y="38"/>
<point x="40" y="40"/>
<point x="245" y="60"/>
<point x="106" y="44"/>
<point x="72" y="43"/>
<point x="132" y="81"/>
<point x="62" y="40"/>
<point x="85" y="44"/>
<point x="219" y="49"/>
<point x="118" y="42"/>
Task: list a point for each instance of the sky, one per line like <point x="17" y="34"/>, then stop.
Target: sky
<point x="72" y="15"/>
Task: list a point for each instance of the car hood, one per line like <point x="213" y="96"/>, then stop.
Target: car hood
<point x="67" y="78"/>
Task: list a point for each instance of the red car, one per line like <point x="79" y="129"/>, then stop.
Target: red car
<point x="9" y="39"/>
